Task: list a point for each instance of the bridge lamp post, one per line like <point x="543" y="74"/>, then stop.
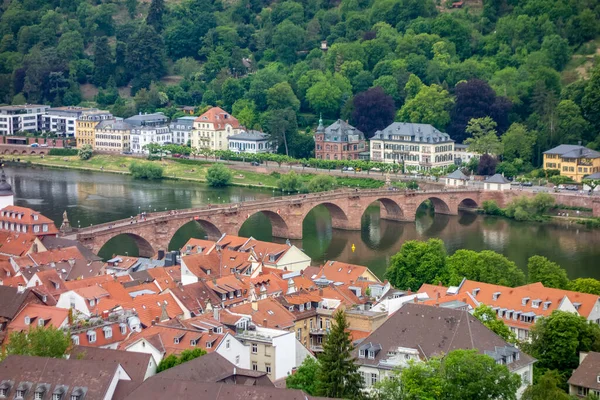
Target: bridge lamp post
<point x="79" y="224"/>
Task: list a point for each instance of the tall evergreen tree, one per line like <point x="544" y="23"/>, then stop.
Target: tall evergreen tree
<point x="145" y="53"/>
<point x="103" y="61"/>
<point x="155" y="14"/>
<point x="338" y="374"/>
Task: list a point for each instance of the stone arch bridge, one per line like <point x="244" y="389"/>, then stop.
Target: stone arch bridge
<point x="287" y="214"/>
<point x="21" y="150"/>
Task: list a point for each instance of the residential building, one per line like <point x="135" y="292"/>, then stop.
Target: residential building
<point x="339" y="141"/>
<point x="585" y="380"/>
<point x="12" y="301"/>
<point x="15" y="244"/>
<point x="154" y="119"/>
<point x="337" y="271"/>
<point x="496" y="182"/>
<point x="181" y="129"/>
<point x="462" y="154"/>
<point x="38" y="315"/>
<point x="28" y="377"/>
<point x="418" y="332"/>
<point x="362" y="322"/>
<point x="303" y="305"/>
<point x="267" y="313"/>
<point x="122" y="265"/>
<point x="212" y="128"/>
<point x="63" y="120"/>
<point x="26" y="220"/>
<point x="573" y="161"/>
<point x="85" y="127"/>
<point x="416" y="146"/>
<point x="456" y="179"/>
<point x="145" y="134"/>
<point x="274" y="351"/>
<point x="105" y="335"/>
<point x="7" y="196"/>
<point x="251" y="142"/>
<point x="139" y="366"/>
<point x="21" y="118"/>
<point x="113" y="135"/>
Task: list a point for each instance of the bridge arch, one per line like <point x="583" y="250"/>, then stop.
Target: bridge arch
<point x="339" y="217"/>
<point x="390" y="209"/>
<point x="279" y="226"/>
<point x="193" y="228"/>
<point x="145" y="249"/>
<point x="468" y="203"/>
<point x="439" y="205"/>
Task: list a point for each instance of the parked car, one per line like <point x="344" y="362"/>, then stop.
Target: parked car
<point x="347" y="169"/>
<point x="561" y="187"/>
<point x="528" y="184"/>
<point x="127" y="153"/>
<point x="35" y="145"/>
<point x="255" y="163"/>
<point x="176" y="155"/>
<point x="572" y="187"/>
<point x="374" y="169"/>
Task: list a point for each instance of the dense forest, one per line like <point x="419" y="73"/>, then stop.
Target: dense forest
<point x="527" y="64"/>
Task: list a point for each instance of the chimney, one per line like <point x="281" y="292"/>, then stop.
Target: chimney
<point x="210" y="332"/>
<point x="264" y="323"/>
<point x="254" y="303"/>
<point x="408" y="291"/>
<point x="71" y="262"/>
<point x="20" y="288"/>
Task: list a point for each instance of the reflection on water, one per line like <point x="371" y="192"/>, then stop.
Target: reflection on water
<point x="92" y="198"/>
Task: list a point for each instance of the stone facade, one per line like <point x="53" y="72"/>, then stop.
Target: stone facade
<point x="339" y="141"/>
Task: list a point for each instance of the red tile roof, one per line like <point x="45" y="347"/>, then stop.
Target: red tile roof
<point x="191" y="246"/>
<point x="103" y="338"/>
<point x="95" y="280"/>
<point x="167" y="277"/>
<point x="16" y="244"/>
<point x="269" y="314"/>
<point x="27" y="217"/>
<point x="219" y="118"/>
<point x="149" y="306"/>
<point x="338" y="271"/>
<point x="52" y="316"/>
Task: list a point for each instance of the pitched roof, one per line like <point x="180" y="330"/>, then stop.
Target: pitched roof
<point x="434" y="331"/>
<point x="231" y="284"/>
<point x="106" y="334"/>
<point x="95" y="280"/>
<point x="53" y="242"/>
<point x="95" y="376"/>
<point x="270" y="313"/>
<point x="52" y="316"/>
<point x="497" y="179"/>
<point x="573" y="151"/>
<point x="51" y="281"/>
<point x="249" y="135"/>
<point x="150" y="306"/>
<point x="12" y="301"/>
<point x="135" y="364"/>
<point x="418" y="133"/>
<point x="341" y="131"/>
<point x="219" y="118"/>
<point x="16" y="244"/>
<point x="192" y="245"/>
<point x="338" y="271"/>
<point x="195" y="296"/>
<point x="586" y="375"/>
<point x="166" y="277"/>
<point x="458" y="174"/>
<point x="12" y="213"/>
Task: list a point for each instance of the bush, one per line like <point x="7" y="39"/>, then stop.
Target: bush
<point x="289" y="182"/>
<point x="321" y="183"/>
<point x="62" y="152"/>
<point x="218" y="175"/>
<point x="85" y="152"/>
<point x="490" y="207"/>
<point x="146" y="170"/>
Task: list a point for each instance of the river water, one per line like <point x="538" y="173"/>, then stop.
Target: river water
<point x="93" y="198"/>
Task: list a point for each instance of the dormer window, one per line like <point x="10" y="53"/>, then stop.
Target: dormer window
<point x="535" y="303"/>
<point x="291" y="308"/>
<point x="92" y="302"/>
<point x="476" y="291"/>
<point x="577" y="305"/>
<point x="371" y="354"/>
<point x="27" y="320"/>
<point x="495" y="296"/>
<point x="193" y="342"/>
<point x="40" y="322"/>
<point x="75" y="340"/>
<point x="524" y="301"/>
<point x="301" y="307"/>
<point x="208" y="345"/>
<point x="20" y="394"/>
<point x="123" y="329"/>
<point x="107" y="332"/>
<point x="223" y="296"/>
<point x="308" y="305"/>
<point x="361" y="354"/>
<point x="547" y="304"/>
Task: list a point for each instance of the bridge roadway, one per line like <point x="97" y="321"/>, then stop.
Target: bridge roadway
<point x="346" y="207"/>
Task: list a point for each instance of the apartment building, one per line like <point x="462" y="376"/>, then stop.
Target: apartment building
<point x="21" y="118"/>
<point x="339" y="141"/>
<point x="462" y="154"/>
<point x="250" y="142"/>
<point x="86" y="124"/>
<point x="212" y="129"/>
<point x="181" y="129"/>
<point x="112" y="135"/>
<point x="63" y="120"/>
<point x="144" y="135"/>
<point x="417" y="146"/>
<point x="573" y="161"/>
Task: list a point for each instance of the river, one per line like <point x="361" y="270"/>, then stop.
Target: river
<point x="93" y="198"/>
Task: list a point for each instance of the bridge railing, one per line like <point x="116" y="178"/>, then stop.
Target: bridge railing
<point x="225" y="207"/>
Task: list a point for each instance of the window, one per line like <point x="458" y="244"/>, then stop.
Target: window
<point x="361" y="354"/>
<point x="91" y="337"/>
<point x="108" y="332"/>
<point x="268" y="368"/>
<point x="38" y="395"/>
<point x="254" y="348"/>
<point x="123" y="329"/>
<point x="20" y="394"/>
<point x="40" y="322"/>
<point x="74" y="397"/>
<point x="227" y="344"/>
<point x="208" y="345"/>
<point x="299" y="334"/>
<point x="373" y="378"/>
<point x="254" y="366"/>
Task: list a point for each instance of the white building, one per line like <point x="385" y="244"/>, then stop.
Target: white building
<point x="456" y="178"/>
<point x="21" y="118"/>
<point x="250" y="142"/>
<point x="463" y="155"/>
<point x="496" y="182"/>
<point x="415" y="145"/>
<point x="63" y="120"/>
<point x="181" y="129"/>
<point x="273" y="351"/>
<point x="144" y="135"/>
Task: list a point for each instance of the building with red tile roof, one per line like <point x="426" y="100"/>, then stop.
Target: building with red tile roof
<point x="96" y="280"/>
<point x="197" y="297"/>
<point x="121" y="265"/>
<point x="106" y="335"/>
<point x="155" y="307"/>
<point x="231" y="289"/>
<point x="167" y="277"/>
<point x="38" y="315"/>
<point x="212" y="128"/>
<point x="197" y="246"/>
<point x="338" y="271"/>
<point x="15" y="244"/>
<point x="22" y="219"/>
<point x="267" y="313"/>
<point x="48" y="282"/>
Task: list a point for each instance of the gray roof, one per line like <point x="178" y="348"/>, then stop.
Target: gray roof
<point x="458" y="174"/>
<point x="250" y="135"/>
<point x="497" y="179"/>
<point x="420" y="133"/>
<point x="11" y="301"/>
<point x="93" y="377"/>
<point x="341" y="131"/>
<point x="52" y="242"/>
<point x="112" y="124"/>
<point x="573" y="151"/>
<point x="461" y="146"/>
<point x="586" y="375"/>
<point x="593" y="176"/>
<point x="435" y="331"/>
<point x="145" y="118"/>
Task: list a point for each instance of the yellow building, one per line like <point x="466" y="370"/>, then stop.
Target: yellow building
<point x="572" y="161"/>
<point x="212" y="129"/>
<point x="86" y="124"/>
<point x="112" y="136"/>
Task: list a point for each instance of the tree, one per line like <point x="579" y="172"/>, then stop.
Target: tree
<point x="486" y="165"/>
<point x="218" y="175"/>
<point x="484" y="266"/>
<point x="572" y="127"/>
<point x="547" y="387"/>
<point x="145" y="54"/>
<point x="372" y="110"/>
<point x="556" y="340"/>
<point x="40" y="342"/>
<point x="324" y="97"/>
<point x="489" y="318"/>
<point x="484" y="139"/>
<point x="417" y="263"/>
<point x="288" y="39"/>
<point x="281" y="96"/>
<point x="476" y="99"/>
<point x="173" y="360"/>
<point x="430" y="106"/>
<point x="585" y="285"/>
<point x="85" y="152"/>
<point x="155" y="14"/>
<point x="321" y="183"/>
<point x="146" y="170"/>
<point x="305" y="377"/>
<point x="289" y="182"/>
<point x="338" y="374"/>
<point x="590" y="103"/>
<point x="518" y="142"/>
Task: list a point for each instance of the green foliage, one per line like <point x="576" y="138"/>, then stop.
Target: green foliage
<point x="489" y="318"/>
<point x="484" y="139"/>
<point x="62" y="152"/>
<point x="40" y="342"/>
<point x="560" y="180"/>
<point x="85" y="152"/>
<point x="417" y="263"/>
<point x="460" y="375"/>
<point x="546" y="387"/>
<point x="173" y="360"/>
<point x="290" y="182"/>
<point x="321" y="183"/>
<point x="431" y="105"/>
<point x="305" y="377"/>
<point x="528" y="209"/>
<point x="540" y="269"/>
<point x="585" y="285"/>
<point x="338" y="375"/>
<point x="147" y="170"/>
<point x="218" y="175"/>
<point x="484" y="266"/>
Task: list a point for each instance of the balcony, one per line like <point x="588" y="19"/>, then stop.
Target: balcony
<point x="319" y="331"/>
<point x="316" y="347"/>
